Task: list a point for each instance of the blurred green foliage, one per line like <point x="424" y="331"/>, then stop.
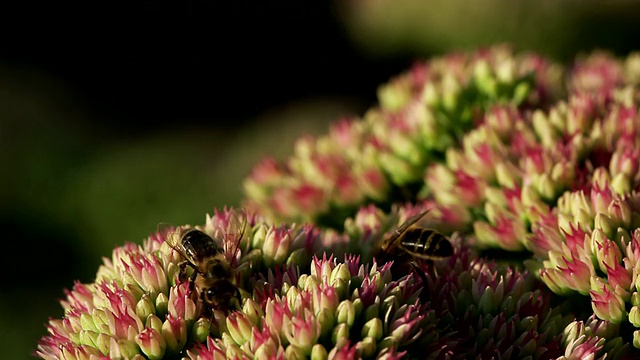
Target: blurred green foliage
<point x="557" y="29"/>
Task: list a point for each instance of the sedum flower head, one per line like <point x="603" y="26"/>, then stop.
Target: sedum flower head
<point x="486" y="143"/>
<point x="299" y="306"/>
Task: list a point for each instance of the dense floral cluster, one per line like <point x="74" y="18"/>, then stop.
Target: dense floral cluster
<point x="382" y="157"/>
<point x="338" y="310"/>
<point x="593" y="339"/>
<point x="562" y="184"/>
<point x="481" y="140"/>
<point x="297" y="308"/>
<point x="556" y="177"/>
<point x="138" y="306"/>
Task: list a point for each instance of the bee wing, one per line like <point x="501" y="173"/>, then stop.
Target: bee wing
<point x="402" y="228"/>
<point x="171" y="236"/>
<point x="233" y="234"/>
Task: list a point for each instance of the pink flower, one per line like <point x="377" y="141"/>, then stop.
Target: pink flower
<point x="174" y="330"/>
<point x="181" y="303"/>
<point x="606" y="304"/>
<point x="302" y="332"/>
<point x="276" y="245"/>
<point x="80" y="298"/>
<point x="506" y="231"/>
<point x="344" y="352"/>
<point x="152" y="343"/>
<point x="568" y="274"/>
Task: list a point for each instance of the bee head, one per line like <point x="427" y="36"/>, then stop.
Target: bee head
<point x="221" y="294"/>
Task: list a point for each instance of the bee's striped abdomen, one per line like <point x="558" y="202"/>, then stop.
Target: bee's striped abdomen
<point x="426" y="244"/>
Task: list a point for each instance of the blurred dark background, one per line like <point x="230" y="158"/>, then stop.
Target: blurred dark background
<point x="115" y="116"/>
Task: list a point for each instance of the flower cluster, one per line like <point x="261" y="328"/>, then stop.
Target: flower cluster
<point x="561" y="183"/>
<point x="483" y="310"/>
<point x="382" y="157"/>
<point x="593" y="339"/>
<point x="295" y="308"/>
<point x="340" y="310"/>
<point x="483" y="142"/>
<point x="137" y="305"/>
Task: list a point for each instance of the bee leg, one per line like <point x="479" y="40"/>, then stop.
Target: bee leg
<point x="192" y="282"/>
<point x="239" y="297"/>
<point x="182" y="275"/>
<point x="424" y="294"/>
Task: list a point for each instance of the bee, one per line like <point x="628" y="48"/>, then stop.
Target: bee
<point x="213" y="262"/>
<point x="410" y="242"/>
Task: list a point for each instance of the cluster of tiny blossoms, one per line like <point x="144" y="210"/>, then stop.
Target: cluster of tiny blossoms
<point x="299" y="305"/>
<point x="340" y="310"/>
<point x="137" y="306"/>
<point x="517" y="170"/>
<point x="382" y="156"/>
<point x="561" y="183"/>
<point x="479" y="139"/>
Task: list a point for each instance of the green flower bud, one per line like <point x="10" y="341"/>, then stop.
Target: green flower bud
<point x="174" y="331"/>
<point x="293" y="352"/>
<point x="318" y="352"/>
<point x="373" y="328"/>
<point x="487" y="303"/>
<point x="312" y="283"/>
<point x="253" y="257"/>
<point x="327" y="321"/>
<point x="340" y="332"/>
<point x="162" y="305"/>
<point x="101" y="318"/>
<point x="257" y="241"/>
<point x="123" y="349"/>
<point x="634" y="316"/>
<point x="104" y="343"/>
<point x="88" y="337"/>
<point x="172" y="272"/>
<point x="239" y="327"/>
<point x="346" y="313"/>
<point x="145" y="307"/>
<point x="388" y="342"/>
<point x="341" y="271"/>
<point x="358" y="306"/>
<point x="341" y="286"/>
<point x="605" y="224"/>
<point x="201" y="330"/>
<point x="266" y="350"/>
<point x="302" y="282"/>
<point x="154" y="322"/>
<point x="234" y="352"/>
<point x="87" y="323"/>
<point x="366" y="347"/>
<point x="152" y="343"/>
<point x="373" y="310"/>
<point x="252" y="311"/>
<point x="621" y="184"/>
